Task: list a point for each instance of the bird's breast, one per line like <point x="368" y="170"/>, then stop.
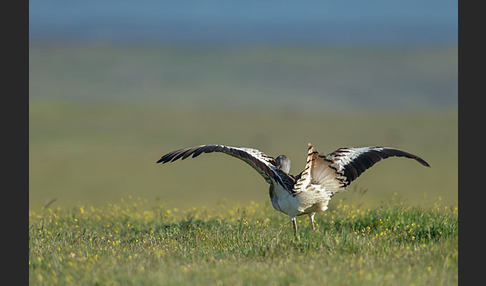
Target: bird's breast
<point x="279" y="197"/>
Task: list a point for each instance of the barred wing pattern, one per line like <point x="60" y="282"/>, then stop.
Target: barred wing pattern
<point x="318" y="174"/>
<point x="335" y="171"/>
<point x="262" y="163"/>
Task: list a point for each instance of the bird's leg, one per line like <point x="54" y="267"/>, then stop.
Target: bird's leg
<point x="294" y="223"/>
<point x="311" y="218"/>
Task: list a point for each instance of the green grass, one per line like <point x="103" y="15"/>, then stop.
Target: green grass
<point x="100" y="117"/>
<point x="138" y="242"/>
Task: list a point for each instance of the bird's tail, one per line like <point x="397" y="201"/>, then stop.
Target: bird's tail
<point x="317" y="171"/>
<point x="312" y="155"/>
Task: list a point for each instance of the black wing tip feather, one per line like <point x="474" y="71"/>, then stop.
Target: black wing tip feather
<point x="401" y="153"/>
<point x="174" y="155"/>
<point x="182" y="154"/>
<point x="421" y="161"/>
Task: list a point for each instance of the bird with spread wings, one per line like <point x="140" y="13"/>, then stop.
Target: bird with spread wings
<point x="310" y="191"/>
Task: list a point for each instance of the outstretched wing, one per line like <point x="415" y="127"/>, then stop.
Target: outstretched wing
<point x="335" y="171"/>
<point x="262" y="163"/>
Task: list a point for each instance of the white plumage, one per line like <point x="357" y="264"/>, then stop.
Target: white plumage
<point x="308" y="192"/>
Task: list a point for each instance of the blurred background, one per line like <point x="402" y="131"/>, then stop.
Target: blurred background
<point x="114" y="85"/>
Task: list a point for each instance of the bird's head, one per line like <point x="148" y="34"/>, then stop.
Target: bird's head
<point x="283" y="163"/>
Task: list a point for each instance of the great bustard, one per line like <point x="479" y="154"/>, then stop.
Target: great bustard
<point x="310" y="191"/>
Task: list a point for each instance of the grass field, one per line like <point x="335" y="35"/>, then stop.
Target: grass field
<point x="136" y="242"/>
<point x="195" y="223"/>
<point x="102" y="212"/>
